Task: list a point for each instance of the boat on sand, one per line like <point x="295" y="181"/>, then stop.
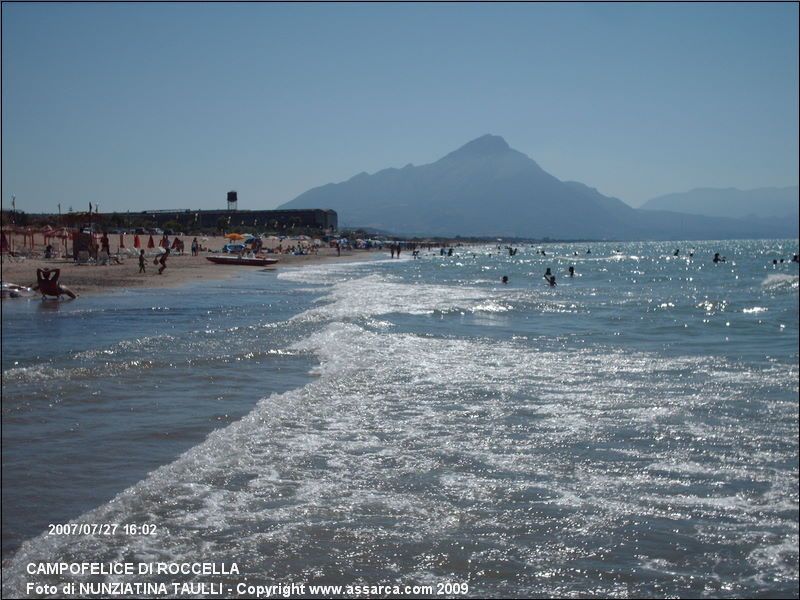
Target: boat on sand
<point x="242" y="261"/>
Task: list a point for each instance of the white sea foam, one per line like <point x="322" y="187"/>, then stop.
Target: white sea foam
<point x="401" y="434"/>
<point x="409" y="453"/>
<point x="780" y="281"/>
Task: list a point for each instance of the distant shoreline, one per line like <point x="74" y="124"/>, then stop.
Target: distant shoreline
<point x="93" y="279"/>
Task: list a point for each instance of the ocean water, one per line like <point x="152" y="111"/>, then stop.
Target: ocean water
<point x="632" y="431"/>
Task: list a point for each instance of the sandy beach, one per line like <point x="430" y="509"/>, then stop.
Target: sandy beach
<point x="93" y="279"/>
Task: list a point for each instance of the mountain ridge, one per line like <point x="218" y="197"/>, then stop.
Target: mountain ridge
<point x="765" y="202"/>
<point x="485" y="187"/>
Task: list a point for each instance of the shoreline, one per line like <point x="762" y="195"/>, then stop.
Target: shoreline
<point x="99" y="279"/>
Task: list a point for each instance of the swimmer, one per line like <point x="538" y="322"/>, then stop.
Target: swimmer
<point x="47" y="284"/>
<point x="717" y="258"/>
<point x="677" y="251"/>
<point x="505" y="279"/>
<point x="552" y="281"/>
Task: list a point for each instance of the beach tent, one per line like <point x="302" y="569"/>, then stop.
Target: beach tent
<point x="151" y="243"/>
<point x="176" y="243"/>
<point x="137" y="243"/>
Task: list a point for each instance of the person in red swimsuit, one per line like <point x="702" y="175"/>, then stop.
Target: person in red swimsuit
<point x="47" y="283"/>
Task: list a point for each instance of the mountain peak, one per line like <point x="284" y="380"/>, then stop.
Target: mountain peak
<point x="485" y="145"/>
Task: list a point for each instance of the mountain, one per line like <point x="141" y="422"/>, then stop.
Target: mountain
<point x="768" y="202"/>
<point x="486" y="188"/>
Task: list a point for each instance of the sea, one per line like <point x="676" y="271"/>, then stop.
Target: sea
<point x="629" y="432"/>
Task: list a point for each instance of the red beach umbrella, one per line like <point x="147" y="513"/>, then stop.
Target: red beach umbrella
<point x="176" y="243"/>
<point x="151" y="243"/>
<point x="136" y="242"/>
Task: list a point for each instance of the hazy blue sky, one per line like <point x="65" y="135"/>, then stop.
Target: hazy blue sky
<point x="140" y="106"/>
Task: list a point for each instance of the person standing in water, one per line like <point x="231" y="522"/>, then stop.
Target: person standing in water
<point x="571" y="271"/>
<point x="547" y="274"/>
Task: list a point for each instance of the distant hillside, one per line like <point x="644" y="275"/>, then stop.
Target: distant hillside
<point x="486" y="188"/>
<point x="769" y="202"/>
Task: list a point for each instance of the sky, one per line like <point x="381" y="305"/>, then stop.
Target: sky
<point x="146" y="106"/>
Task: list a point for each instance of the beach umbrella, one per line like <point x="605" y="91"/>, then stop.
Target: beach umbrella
<point x="64" y="235"/>
<point x="137" y="243"/>
<point x="234" y="236"/>
<point x="121" y="240"/>
<point x="151" y="243"/>
<point x="176" y="243"/>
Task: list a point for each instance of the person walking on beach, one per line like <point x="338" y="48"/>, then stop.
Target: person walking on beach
<point x="141" y="262"/>
<point x="163" y="261"/>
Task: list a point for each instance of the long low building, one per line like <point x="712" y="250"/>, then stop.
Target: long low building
<point x="313" y="218"/>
